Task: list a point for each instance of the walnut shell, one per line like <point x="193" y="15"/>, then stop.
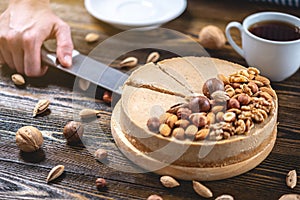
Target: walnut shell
<point x="212" y="37"/>
<point x="29" y="139"/>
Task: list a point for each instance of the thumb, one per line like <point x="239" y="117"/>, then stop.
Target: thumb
<point x="64" y="45"/>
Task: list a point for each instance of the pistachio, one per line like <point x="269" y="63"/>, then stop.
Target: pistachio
<point x="40" y="107"/>
<point x="18" y="79"/>
<point x="29" y="139"/>
<point x="169" y="182"/>
<point x="129" y="62"/>
<point x="92" y="37"/>
<point x="165" y="130"/>
<point x="88" y="113"/>
<point x="55" y="173"/>
<point x="202" y="190"/>
<point x="211" y="37"/>
<point x="83" y="84"/>
<point x="153" y="124"/>
<point x="153" y="57"/>
<point x="291" y="179"/>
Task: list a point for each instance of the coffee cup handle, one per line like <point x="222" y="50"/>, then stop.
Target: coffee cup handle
<point x="239" y="26"/>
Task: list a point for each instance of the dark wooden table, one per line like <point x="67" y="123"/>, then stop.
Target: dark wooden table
<point x="22" y="176"/>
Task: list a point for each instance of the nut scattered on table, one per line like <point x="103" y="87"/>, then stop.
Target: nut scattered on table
<point x="291" y="179"/>
<point x="73" y="132"/>
<point x="92" y="37"/>
<point x="154" y="197"/>
<point x="212" y="37"/>
<point x="18" y="79"/>
<point x="100" y="183"/>
<point x="290" y="197"/>
<point x="88" y="113"/>
<point x="202" y="190"/>
<point x="40" y="107"/>
<point x="55" y="173"/>
<point x="128" y="62"/>
<point x="84" y="84"/>
<point x="153" y="57"/>
<point x="100" y="154"/>
<point x="107" y="97"/>
<point x="225" y="197"/>
<point x="169" y="182"/>
<point x="29" y="139"/>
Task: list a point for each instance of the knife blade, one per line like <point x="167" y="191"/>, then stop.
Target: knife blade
<point x="89" y="69"/>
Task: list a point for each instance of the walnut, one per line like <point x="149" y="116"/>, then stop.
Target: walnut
<point x="212" y="37"/>
<point x="29" y="139"/>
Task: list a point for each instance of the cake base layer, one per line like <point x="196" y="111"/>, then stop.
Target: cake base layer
<point x="186" y="173"/>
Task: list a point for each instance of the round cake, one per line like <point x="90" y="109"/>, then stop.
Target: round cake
<point x="236" y="139"/>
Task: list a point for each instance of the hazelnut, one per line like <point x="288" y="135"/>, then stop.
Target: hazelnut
<point x="202" y="134"/>
<point x="29" y="139"/>
<point x="233" y="103"/>
<point x="211" y="37"/>
<point x="153" y="124"/>
<point x="100" y="183"/>
<point x="73" y="132"/>
<point x="183" y="113"/>
<point x="183" y="123"/>
<point x="244" y="99"/>
<point x="212" y="85"/>
<point x="199" y="104"/>
<point x="100" y="154"/>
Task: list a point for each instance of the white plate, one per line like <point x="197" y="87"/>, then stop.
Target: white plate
<point x="126" y="14"/>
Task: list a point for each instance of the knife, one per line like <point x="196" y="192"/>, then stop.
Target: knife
<point x="89" y="69"/>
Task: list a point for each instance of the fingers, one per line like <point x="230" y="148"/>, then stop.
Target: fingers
<point x="32" y="56"/>
<point x="64" y="44"/>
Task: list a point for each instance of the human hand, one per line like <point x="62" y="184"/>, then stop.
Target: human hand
<point x="25" y="25"/>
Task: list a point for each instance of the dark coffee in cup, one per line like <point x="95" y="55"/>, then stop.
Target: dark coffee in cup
<point x="275" y="30"/>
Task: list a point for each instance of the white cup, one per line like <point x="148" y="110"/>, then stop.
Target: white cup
<point x="276" y="60"/>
